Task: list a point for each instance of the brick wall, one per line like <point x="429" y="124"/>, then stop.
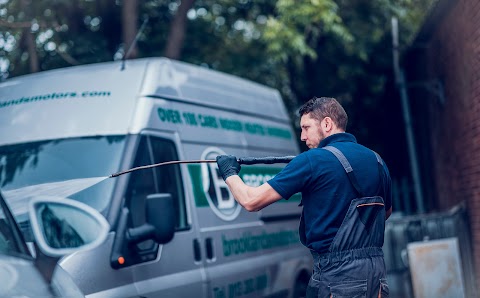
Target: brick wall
<point x="453" y="55"/>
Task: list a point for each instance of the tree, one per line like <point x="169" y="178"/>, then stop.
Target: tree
<point x="129" y="24"/>
<point x="57" y="33"/>
<point x="177" y="30"/>
<point x="303" y="48"/>
<point x="341" y="49"/>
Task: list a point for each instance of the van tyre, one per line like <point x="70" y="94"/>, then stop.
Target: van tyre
<point x="300" y="288"/>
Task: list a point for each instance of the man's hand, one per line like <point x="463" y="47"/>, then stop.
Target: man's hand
<point x="228" y="165"/>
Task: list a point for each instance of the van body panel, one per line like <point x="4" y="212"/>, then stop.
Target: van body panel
<point x="159" y="110"/>
<point x="87" y="267"/>
<point x="77" y="101"/>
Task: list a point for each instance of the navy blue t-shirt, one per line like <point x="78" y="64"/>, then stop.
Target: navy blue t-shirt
<point x="326" y="189"/>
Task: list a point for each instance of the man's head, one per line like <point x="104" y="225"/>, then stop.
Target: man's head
<point x="321" y="117"/>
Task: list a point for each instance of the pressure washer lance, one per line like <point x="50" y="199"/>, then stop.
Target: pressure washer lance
<point x="242" y="161"/>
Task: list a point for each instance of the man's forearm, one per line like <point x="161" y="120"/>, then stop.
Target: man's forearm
<point x="252" y="198"/>
<point x="240" y="191"/>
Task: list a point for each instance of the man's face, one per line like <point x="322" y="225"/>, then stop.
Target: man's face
<point x="312" y="133"/>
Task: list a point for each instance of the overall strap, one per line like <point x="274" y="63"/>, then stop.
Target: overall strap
<point x="348" y="168"/>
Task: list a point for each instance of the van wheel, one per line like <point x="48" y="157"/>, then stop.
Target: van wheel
<point x="300" y="288"/>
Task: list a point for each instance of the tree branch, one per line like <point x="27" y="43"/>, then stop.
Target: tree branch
<point x="23" y="25"/>
<point x="67" y="57"/>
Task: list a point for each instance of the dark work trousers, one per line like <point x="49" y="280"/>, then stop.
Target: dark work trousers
<point x="347" y="271"/>
<point x="354" y="265"/>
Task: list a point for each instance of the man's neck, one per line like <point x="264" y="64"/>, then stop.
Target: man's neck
<point x="335" y="131"/>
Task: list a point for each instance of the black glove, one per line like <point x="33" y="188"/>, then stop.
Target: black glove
<point x="228" y="165"/>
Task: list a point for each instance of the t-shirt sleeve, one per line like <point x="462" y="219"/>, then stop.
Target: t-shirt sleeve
<point x="293" y="177"/>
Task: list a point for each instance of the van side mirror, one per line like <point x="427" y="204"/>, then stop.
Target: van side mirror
<point x="62" y="226"/>
<point x="160" y="220"/>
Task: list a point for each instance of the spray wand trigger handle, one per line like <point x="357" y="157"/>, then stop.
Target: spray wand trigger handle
<point x="264" y="160"/>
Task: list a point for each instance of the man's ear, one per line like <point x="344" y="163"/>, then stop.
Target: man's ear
<point x="327" y="124"/>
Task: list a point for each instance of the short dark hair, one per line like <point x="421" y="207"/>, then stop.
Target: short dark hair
<point x="321" y="107"/>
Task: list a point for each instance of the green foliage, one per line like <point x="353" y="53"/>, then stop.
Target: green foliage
<point x="304" y="48"/>
<point x="299" y="24"/>
<point x="341" y="49"/>
<point x="66" y="32"/>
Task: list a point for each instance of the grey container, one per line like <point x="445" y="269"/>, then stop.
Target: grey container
<point x="401" y="230"/>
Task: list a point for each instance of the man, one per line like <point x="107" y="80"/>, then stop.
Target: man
<point x="346" y="197"/>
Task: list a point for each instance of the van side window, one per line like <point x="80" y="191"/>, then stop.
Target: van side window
<point x="169" y="178"/>
<point x="165" y="179"/>
<point x="141" y="184"/>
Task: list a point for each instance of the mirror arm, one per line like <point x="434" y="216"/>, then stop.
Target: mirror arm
<point x="141" y="233"/>
<point x="45" y="264"/>
<point x="120" y="238"/>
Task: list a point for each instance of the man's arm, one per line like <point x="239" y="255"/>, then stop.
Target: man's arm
<point x="252" y="198"/>
<point x="389" y="212"/>
<point x="388" y="196"/>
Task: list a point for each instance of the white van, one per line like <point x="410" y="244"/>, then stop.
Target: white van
<point x="176" y="231"/>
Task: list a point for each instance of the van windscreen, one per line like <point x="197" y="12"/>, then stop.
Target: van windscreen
<point x="55" y="163"/>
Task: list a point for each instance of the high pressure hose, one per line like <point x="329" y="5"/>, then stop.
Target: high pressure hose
<point x="242" y="161"/>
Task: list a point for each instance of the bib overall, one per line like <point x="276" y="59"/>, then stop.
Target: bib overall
<point x="354" y="265"/>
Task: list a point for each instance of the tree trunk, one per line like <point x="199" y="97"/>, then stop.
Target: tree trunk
<point x="30" y="43"/>
<point x="111" y="27"/>
<point x="73" y="14"/>
<point x="32" y="50"/>
<point x="129" y="22"/>
<point x="177" y="30"/>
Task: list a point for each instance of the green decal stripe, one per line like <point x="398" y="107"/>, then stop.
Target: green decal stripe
<point x="279" y="132"/>
<point x="259" y="170"/>
<point x="195" y="175"/>
<point x="295" y="198"/>
<point x="248" y="243"/>
<point x="211" y="121"/>
<point x="55" y="96"/>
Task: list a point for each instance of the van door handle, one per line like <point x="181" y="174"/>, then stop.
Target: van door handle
<point x="197" y="254"/>
<point x="209" y="248"/>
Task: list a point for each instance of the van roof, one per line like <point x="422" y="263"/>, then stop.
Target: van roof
<point x="107" y="96"/>
<point x="174" y="79"/>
